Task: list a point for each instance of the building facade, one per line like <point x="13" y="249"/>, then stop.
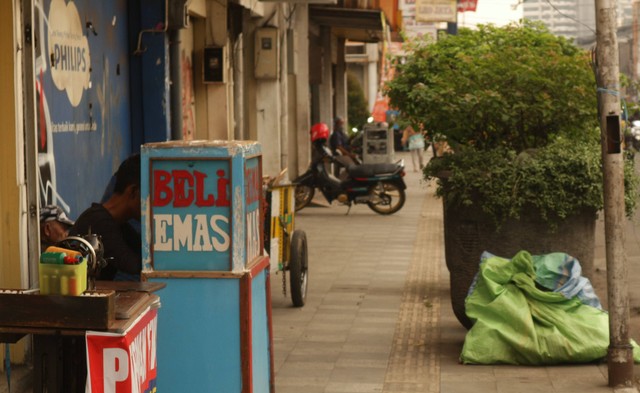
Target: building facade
<point x="572" y="18"/>
<point x="86" y="83"/>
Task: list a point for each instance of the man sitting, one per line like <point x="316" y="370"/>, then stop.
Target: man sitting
<point x="54" y="226"/>
<point x="121" y="242"/>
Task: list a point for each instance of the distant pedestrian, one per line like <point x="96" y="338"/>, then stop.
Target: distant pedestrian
<point x="415" y="143"/>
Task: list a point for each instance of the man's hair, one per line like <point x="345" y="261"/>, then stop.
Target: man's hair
<point x="128" y="173"/>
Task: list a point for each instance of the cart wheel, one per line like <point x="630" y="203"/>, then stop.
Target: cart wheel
<point x="298" y="265"/>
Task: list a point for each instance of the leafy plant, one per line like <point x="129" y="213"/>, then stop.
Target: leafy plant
<point x="556" y="181"/>
<point x="516" y="86"/>
<point x="518" y="106"/>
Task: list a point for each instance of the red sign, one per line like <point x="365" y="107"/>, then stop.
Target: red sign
<point x="467" y="5"/>
<point x="187" y="186"/>
<point x="380" y="108"/>
<point x="124" y="363"/>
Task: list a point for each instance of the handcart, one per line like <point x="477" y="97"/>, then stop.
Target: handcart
<point x="287" y="247"/>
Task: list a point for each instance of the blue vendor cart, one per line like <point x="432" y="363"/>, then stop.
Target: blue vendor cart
<point x="203" y="219"/>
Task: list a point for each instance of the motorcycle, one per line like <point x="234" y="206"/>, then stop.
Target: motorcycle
<point x="380" y="186"/>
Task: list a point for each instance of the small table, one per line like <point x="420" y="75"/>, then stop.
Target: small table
<point x="59" y="351"/>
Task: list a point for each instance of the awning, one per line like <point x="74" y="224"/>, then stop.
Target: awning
<point x="351" y="23"/>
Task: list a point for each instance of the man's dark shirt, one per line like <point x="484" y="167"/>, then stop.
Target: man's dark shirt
<point x="338" y="138"/>
<point x="122" y="243"/>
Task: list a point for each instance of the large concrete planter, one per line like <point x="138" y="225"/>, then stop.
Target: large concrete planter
<point x="468" y="232"/>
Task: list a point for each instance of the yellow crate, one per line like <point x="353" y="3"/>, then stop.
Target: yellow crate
<point x="63" y="279"/>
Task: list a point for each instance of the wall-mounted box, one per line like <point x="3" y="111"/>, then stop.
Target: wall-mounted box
<point x="267" y="52"/>
<point x="178" y="14"/>
<point x="213" y="64"/>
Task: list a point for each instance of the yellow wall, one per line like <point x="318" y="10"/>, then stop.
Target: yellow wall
<point x="9" y="192"/>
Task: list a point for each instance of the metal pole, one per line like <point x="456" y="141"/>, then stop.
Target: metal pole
<point x="620" y="354"/>
<point x="175" y="91"/>
<point x="31" y="173"/>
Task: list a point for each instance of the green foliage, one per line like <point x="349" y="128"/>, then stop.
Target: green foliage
<point x="556" y="181"/>
<point x="631" y="182"/>
<point x="356" y="103"/>
<point x="518" y="106"/>
<point x="516" y="86"/>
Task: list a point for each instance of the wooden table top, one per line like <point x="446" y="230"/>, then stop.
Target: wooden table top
<point x="136" y="286"/>
<point x="131" y="300"/>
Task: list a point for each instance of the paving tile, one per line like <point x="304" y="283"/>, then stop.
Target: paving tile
<point x="467" y="373"/>
<point x="358" y="375"/>
<point x="324" y="337"/>
<point x="310" y="369"/>
<point x="580" y="386"/>
<point x="408" y="387"/>
<point x="588" y="372"/>
<point x="467" y="386"/>
<point x="336" y="387"/>
<point x="307" y="353"/>
<point x="511" y="386"/>
<point x="364" y="362"/>
<point x="367" y="348"/>
<point x="363" y="338"/>
<point x="301" y="383"/>
<point x="283" y="388"/>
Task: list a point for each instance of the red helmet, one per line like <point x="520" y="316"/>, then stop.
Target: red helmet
<point x="319" y="131"/>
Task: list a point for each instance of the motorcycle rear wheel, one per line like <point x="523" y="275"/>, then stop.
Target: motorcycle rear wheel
<point x="304" y="195"/>
<point x="386" y="198"/>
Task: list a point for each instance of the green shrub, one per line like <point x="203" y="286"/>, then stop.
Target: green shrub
<point x="518" y="106"/>
<point x="556" y="181"/>
<point x="517" y="86"/>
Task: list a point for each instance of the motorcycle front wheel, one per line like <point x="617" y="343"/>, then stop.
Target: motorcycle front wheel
<point x="303" y="195"/>
<point x="386" y="198"/>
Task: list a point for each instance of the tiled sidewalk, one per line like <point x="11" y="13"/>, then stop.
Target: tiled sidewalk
<point x="379" y="319"/>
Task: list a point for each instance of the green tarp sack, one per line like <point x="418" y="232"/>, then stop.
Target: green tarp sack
<point x="516" y="321"/>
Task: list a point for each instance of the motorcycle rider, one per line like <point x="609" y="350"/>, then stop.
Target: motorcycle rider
<point x="319" y="136"/>
<point x="339" y="143"/>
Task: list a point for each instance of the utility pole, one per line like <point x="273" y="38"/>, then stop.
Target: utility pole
<point x="620" y="354"/>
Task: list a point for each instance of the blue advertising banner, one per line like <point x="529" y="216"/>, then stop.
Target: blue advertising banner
<point x="82" y="97"/>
